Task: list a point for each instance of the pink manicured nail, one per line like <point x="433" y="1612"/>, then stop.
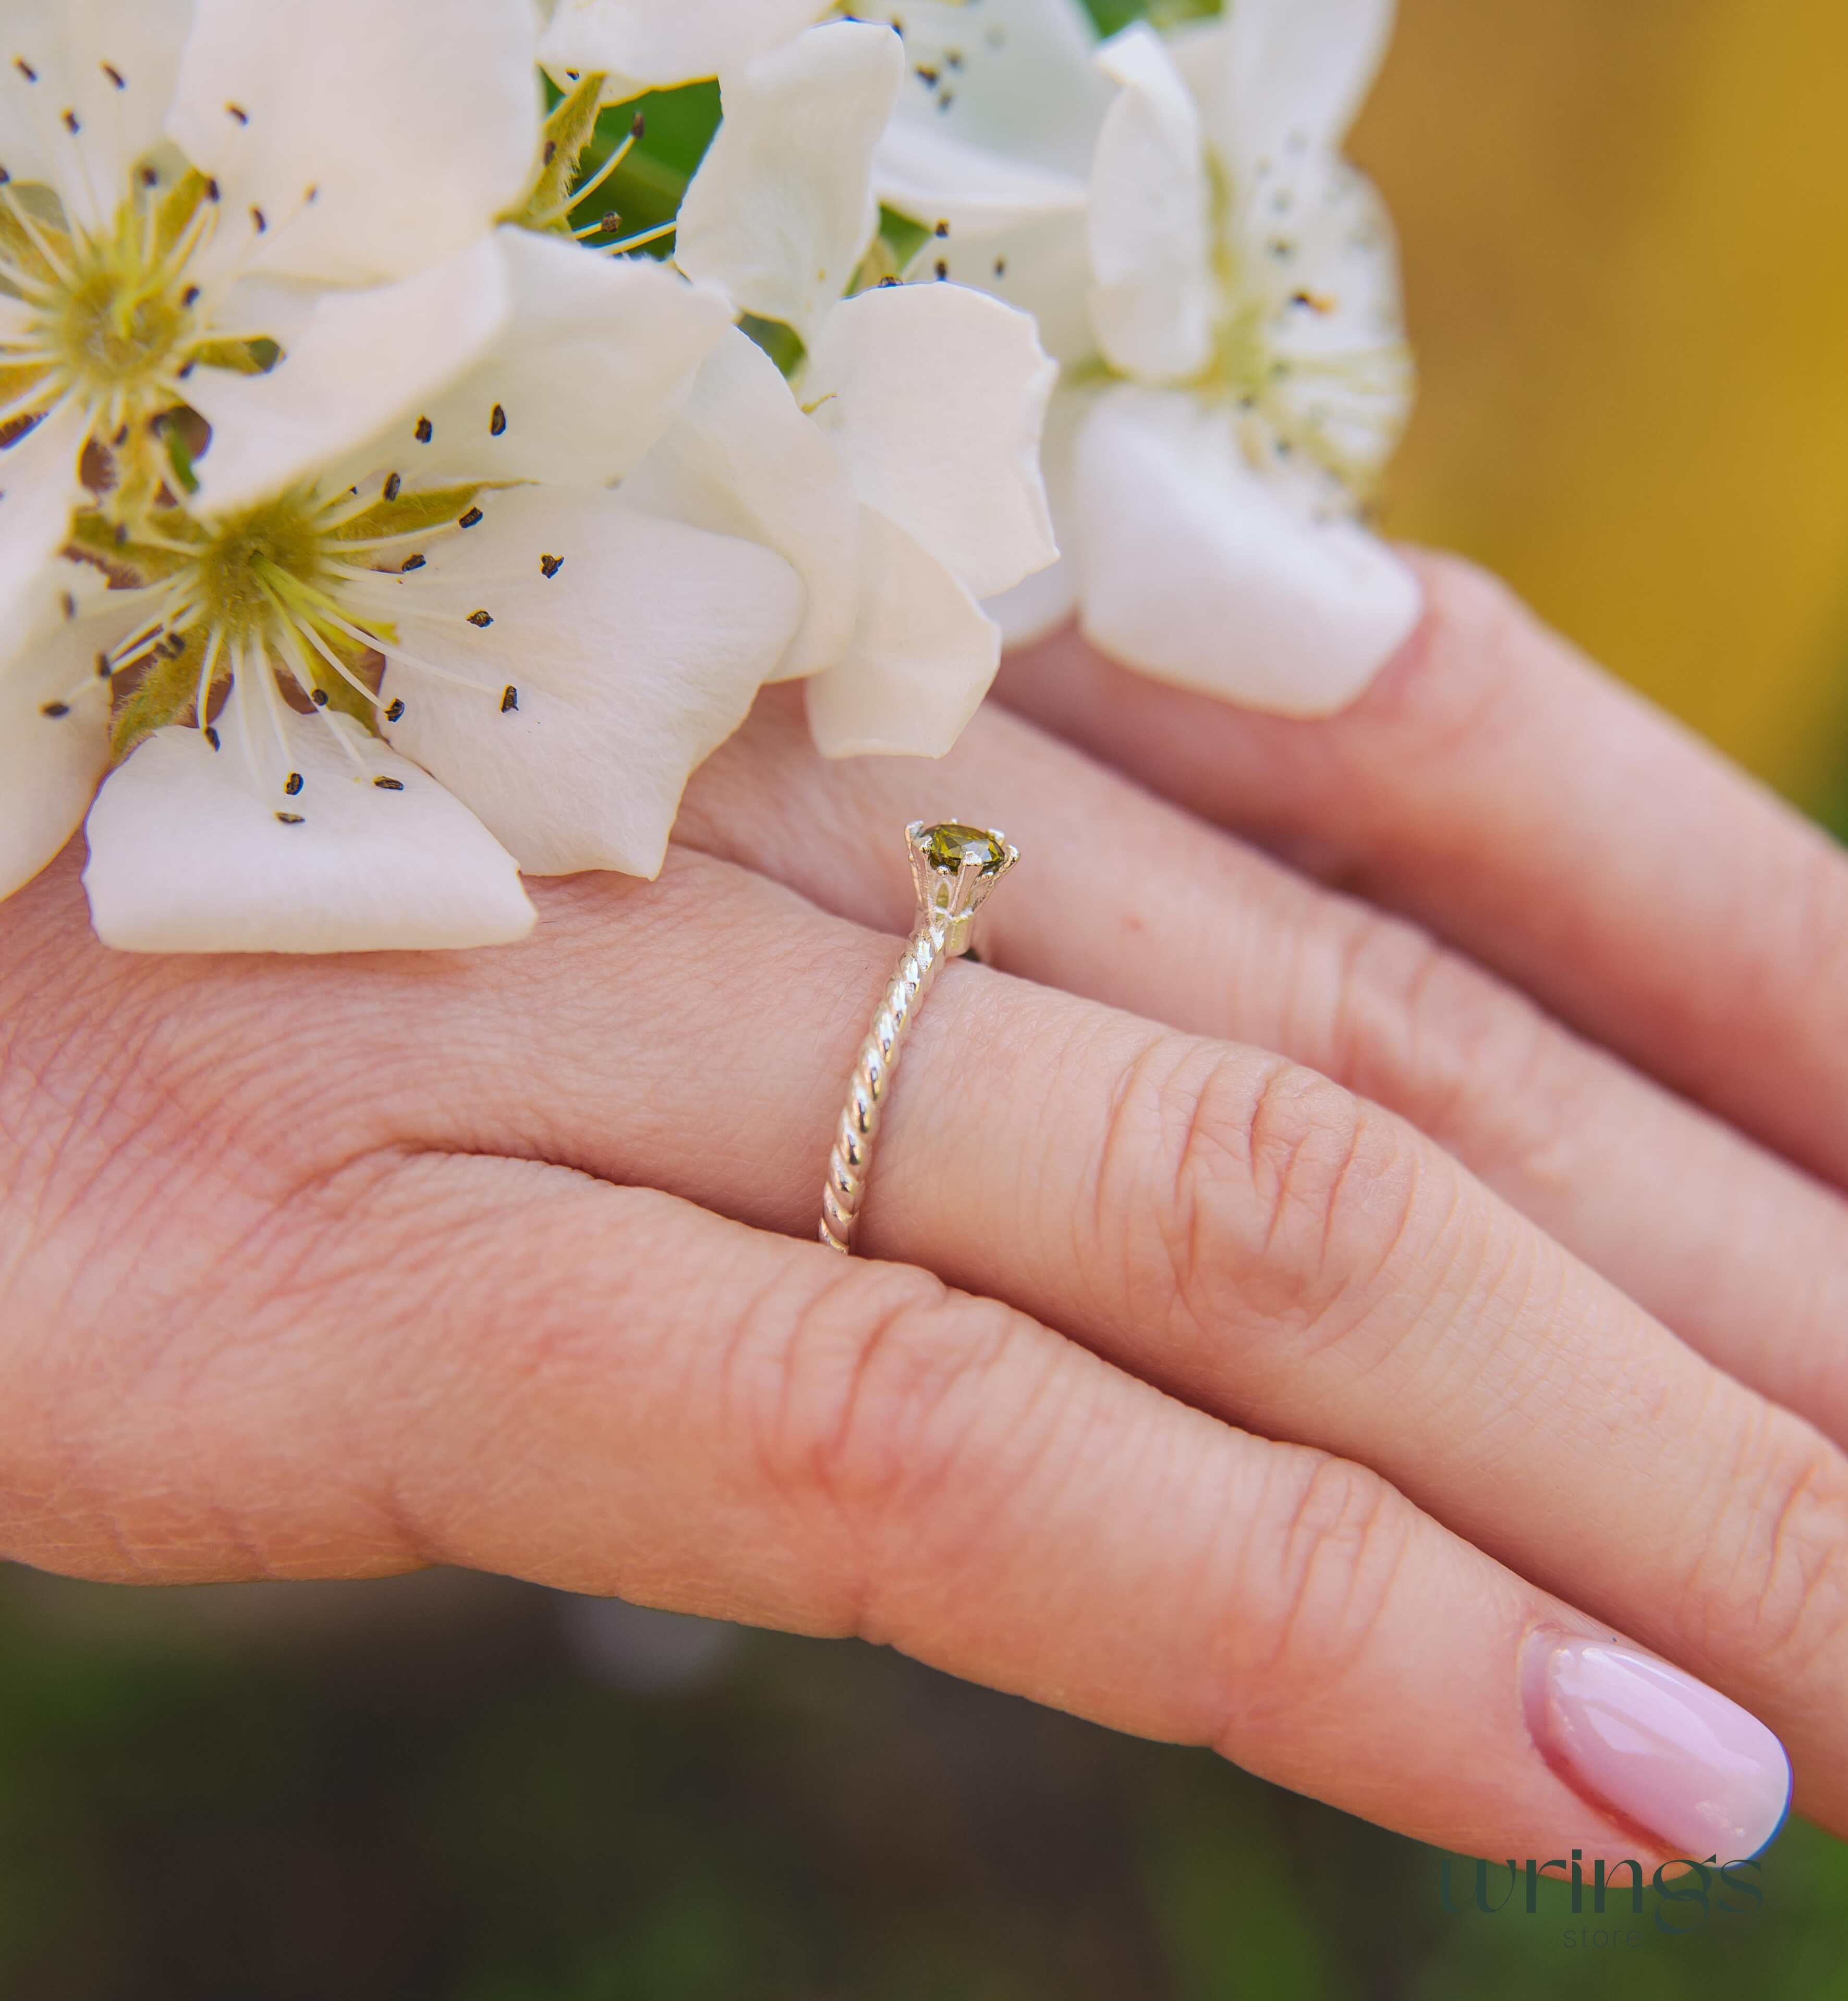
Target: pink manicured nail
<point x="1665" y="1751"/>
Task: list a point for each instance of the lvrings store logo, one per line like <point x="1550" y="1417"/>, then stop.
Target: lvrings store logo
<point x="1626" y="1908"/>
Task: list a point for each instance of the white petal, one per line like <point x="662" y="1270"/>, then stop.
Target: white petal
<point x="647" y="45"/>
<point x="1013" y="78"/>
<point x="72" y="52"/>
<point x="924" y="172"/>
<point x="633" y="662"/>
<point x="743" y="459"/>
<point x="923" y="657"/>
<point x="594" y="362"/>
<point x="1041" y="268"/>
<point x="39" y="491"/>
<point x="1196" y="571"/>
<point x="936" y="398"/>
<point x="56" y="624"/>
<point x="364" y="367"/>
<point x="187" y="854"/>
<point x="1150" y="220"/>
<point x="417" y="122"/>
<point x="782" y="209"/>
<point x="1046" y="603"/>
<point x="1342" y="377"/>
<point x="1280" y="79"/>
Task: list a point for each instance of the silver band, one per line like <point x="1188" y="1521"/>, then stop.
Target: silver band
<point x="955" y="869"/>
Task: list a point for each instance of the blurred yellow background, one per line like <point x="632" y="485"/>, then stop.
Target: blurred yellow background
<point x="1626" y="231"/>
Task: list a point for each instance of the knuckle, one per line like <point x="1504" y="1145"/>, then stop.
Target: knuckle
<point x="1423" y="1030"/>
<point x="1316" y="1579"/>
<point x="878" y="1384"/>
<point x="1772" y="1574"/>
<point x="1263" y="1189"/>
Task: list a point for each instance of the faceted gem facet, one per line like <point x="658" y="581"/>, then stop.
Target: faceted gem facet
<point x="946" y="848"/>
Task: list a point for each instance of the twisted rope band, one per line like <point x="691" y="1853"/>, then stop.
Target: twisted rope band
<point x="924" y="959"/>
<point x="954" y="867"/>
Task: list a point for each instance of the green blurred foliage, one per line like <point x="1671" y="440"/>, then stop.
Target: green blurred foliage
<point x="200" y="1807"/>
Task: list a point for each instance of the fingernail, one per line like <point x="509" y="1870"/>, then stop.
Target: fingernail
<point x="1701" y="1774"/>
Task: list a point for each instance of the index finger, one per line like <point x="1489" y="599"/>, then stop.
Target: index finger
<point x="1498" y="787"/>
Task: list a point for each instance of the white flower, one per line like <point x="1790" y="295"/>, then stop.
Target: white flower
<point x="641" y="45"/>
<point x="1236" y="370"/>
<point x="543" y="665"/>
<point x="180" y="179"/>
<point x="898" y="471"/>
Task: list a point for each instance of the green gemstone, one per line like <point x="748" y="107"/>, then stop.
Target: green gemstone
<point x="947" y="848"/>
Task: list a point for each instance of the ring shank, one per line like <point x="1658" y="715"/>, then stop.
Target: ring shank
<point x="851" y="1162"/>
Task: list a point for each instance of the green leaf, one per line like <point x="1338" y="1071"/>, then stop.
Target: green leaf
<point x="783" y="344"/>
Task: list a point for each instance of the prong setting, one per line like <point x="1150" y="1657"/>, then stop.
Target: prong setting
<point x="954" y="868"/>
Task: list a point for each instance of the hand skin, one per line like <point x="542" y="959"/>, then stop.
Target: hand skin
<point x="1270" y="1401"/>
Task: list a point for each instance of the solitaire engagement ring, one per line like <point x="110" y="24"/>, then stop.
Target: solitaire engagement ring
<point x="954" y="868"/>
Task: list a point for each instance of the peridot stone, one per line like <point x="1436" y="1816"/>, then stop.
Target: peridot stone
<point x="945" y="849"/>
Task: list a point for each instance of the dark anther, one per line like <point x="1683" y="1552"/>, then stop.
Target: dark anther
<point x="211" y="737"/>
<point x="238" y="112"/>
<point x="639" y="127"/>
<point x="886" y="282"/>
<point x="151" y="177"/>
<point x="1001" y="267"/>
<point x="395" y="712"/>
<point x="409" y="564"/>
<point x="115" y="76"/>
<point x="261" y="220"/>
<point x="190" y="296"/>
<point x="509" y="701"/>
<point x="551" y="566"/>
<point x="56" y="710"/>
<point x="943" y="229"/>
<point x="295" y="783"/>
<point x="320" y="697"/>
<point x="471" y="519"/>
<point x="104" y="671"/>
<point x="498" y="422"/>
<point x="392" y="484"/>
<point x="120" y="439"/>
<point x="71" y="124"/>
<point x="943" y="269"/>
<point x="291" y="819"/>
<point x="551" y="151"/>
<point x="212" y="192"/>
<point x="425" y="430"/>
<point x="25" y="69"/>
<point x="483" y="619"/>
<point x="389" y="785"/>
<point x="69" y="605"/>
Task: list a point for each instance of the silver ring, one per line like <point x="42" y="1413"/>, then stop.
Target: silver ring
<point x="955" y="868"/>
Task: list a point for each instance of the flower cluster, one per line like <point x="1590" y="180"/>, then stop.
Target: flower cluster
<point x="407" y="480"/>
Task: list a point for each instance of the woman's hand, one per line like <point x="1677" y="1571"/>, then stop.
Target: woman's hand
<point x="1257" y="1421"/>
